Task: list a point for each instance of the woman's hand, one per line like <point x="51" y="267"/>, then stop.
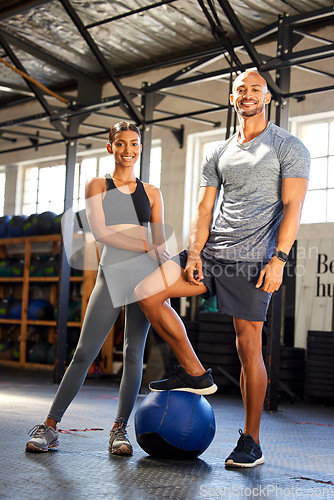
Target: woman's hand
<point x="159" y="253"/>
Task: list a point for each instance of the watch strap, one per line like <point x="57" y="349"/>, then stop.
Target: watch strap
<point x="281" y="255"/>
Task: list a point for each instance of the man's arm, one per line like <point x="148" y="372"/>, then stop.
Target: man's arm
<point x="293" y="195"/>
<point x="199" y="233"/>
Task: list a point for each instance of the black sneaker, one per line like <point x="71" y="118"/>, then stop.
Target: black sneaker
<point x="182" y="381"/>
<point x="247" y="453"/>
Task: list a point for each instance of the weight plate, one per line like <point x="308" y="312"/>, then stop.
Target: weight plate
<point x="215" y="327"/>
<point x="292" y="353"/>
<point x="217" y="338"/>
<point x="214" y="317"/>
<point x="215" y="348"/>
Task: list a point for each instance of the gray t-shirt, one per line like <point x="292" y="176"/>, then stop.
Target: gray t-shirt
<point x="249" y="177"/>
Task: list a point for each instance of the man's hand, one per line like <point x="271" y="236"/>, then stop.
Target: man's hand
<point x="193" y="269"/>
<point x="271" y="276"/>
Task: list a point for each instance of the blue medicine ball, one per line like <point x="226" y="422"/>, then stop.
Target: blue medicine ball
<point x="29" y="225"/>
<point x="15" y="226"/>
<point x="4" y="225"/>
<point x="40" y="309"/>
<point x="174" y="424"/>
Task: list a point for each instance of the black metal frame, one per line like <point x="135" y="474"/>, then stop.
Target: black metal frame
<point x="194" y="62"/>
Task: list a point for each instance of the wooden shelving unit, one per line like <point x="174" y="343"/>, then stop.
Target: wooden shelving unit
<point x="25" y="247"/>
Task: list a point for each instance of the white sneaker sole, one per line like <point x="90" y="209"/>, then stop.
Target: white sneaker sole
<point x="204" y="392"/>
<point x="31" y="447"/>
<point x="230" y="463"/>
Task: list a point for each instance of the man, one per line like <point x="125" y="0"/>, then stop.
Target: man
<point x="262" y="172"/>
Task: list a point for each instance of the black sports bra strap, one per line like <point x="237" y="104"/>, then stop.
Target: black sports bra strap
<point x="109" y="182"/>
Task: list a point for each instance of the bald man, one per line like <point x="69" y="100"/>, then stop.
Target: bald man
<point x="261" y="176"/>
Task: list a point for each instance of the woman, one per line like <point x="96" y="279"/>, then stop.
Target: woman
<point x="119" y="208"/>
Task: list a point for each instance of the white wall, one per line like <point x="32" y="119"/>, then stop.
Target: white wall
<point x="314" y="280"/>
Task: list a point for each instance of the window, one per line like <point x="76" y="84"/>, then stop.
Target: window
<point x="318" y="137"/>
<point x="83" y="171"/>
<point x="43" y="190"/>
<point x="155" y="165"/>
<point x="44" y="187"/>
<point x="2" y="192"/>
<point x="198" y="146"/>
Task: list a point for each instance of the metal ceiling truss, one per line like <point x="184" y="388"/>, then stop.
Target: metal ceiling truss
<point x="289" y="29"/>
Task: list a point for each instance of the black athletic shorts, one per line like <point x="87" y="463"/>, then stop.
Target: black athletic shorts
<point x="234" y="285"/>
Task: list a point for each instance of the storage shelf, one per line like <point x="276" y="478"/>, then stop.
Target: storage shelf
<point x="40" y="279"/>
<point x="25" y="248"/>
<point x="26" y="365"/>
<point x="30" y="239"/>
<point x="11" y="280"/>
<point x="10" y="321"/>
<point x="37" y="322"/>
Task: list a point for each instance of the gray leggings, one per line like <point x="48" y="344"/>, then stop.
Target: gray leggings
<point x="99" y="319"/>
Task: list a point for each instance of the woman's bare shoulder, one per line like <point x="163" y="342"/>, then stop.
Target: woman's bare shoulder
<point x="95" y="185"/>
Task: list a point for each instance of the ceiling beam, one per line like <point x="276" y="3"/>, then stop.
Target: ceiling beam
<point x="38" y="53"/>
<point x="128" y="105"/>
<point x="314" y="15"/>
<point x="303" y="56"/>
<point x="34" y="88"/>
<point x="249" y="46"/>
<point x="129" y="13"/>
<point x="20" y="8"/>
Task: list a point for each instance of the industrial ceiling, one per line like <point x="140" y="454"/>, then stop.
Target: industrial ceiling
<point x="57" y="56"/>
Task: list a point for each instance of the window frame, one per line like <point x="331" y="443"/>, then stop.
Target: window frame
<point x="296" y="125"/>
<point x="59" y="161"/>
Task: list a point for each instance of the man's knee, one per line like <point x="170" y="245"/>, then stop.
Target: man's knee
<point x="248" y="339"/>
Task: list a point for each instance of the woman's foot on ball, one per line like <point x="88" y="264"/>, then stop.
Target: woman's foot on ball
<point x="182" y="381"/>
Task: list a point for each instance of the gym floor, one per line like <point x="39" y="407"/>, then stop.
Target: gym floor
<point x="297" y="441"/>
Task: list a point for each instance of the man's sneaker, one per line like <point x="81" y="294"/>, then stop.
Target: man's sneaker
<point x="247" y="453"/>
<point x="182" y="381"/>
<point x="43" y="438"/>
<point x="119" y="443"/>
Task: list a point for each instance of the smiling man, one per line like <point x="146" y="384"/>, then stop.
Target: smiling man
<point x="261" y="173"/>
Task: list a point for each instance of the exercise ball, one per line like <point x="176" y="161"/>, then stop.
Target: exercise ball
<point x="174" y="424"/>
<point x="51" y="267"/>
<point x="5" y="305"/>
<point x="5" y="268"/>
<point x="37" y="265"/>
<point x="17" y="267"/>
<point x="40" y="309"/>
<point x="15" y="310"/>
<point x="57" y="224"/>
<point x="51" y="355"/>
<point x="38" y="352"/>
<point x="29" y="225"/>
<point x="44" y="223"/>
<point x="4" y="225"/>
<point x="15" y="226"/>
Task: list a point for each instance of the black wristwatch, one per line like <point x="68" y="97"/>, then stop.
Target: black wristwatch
<point x="281" y="255"/>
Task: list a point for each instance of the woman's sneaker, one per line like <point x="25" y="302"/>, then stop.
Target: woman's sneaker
<point x="247" y="453"/>
<point x="44" y="438"/>
<point x="182" y="381"/>
<point x="119" y="443"/>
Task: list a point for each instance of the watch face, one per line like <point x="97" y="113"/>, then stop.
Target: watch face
<point x="281" y="255"/>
